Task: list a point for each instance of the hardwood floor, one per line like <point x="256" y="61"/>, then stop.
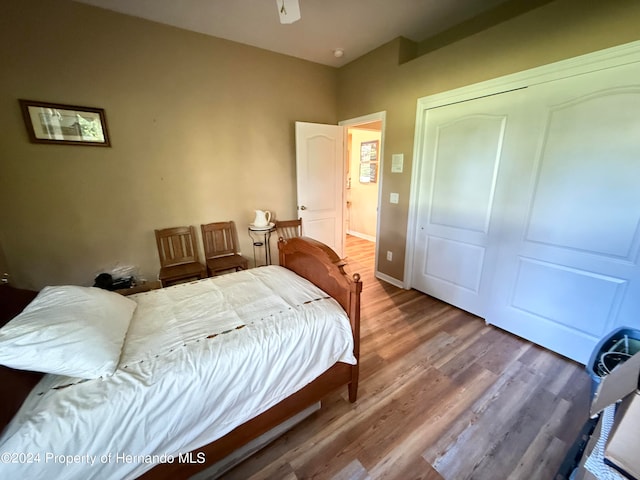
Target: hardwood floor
<point x="442" y="396"/>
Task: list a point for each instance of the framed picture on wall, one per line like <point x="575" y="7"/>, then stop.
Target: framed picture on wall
<point x="60" y="124"/>
<point x="369" y="172"/>
<point x="369" y="151"/>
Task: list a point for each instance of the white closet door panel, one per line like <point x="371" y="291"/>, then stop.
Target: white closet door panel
<point x="466" y="161"/>
<point x="565" y="295"/>
<point x="464" y="145"/>
<point x="567" y="272"/>
<point x="587" y="157"/>
<point x="456" y="263"/>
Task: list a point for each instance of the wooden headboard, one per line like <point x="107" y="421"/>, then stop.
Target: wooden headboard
<point x="319" y="264"/>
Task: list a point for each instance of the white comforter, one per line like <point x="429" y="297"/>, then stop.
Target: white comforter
<point x="199" y="359"/>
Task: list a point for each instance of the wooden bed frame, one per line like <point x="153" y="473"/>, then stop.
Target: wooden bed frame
<point x="320" y="265"/>
<point x="308" y="258"/>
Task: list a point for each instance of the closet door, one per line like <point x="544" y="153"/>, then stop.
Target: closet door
<point x="464" y="146"/>
<point x="567" y="269"/>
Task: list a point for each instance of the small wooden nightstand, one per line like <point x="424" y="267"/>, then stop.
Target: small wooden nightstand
<point x="145" y="287"/>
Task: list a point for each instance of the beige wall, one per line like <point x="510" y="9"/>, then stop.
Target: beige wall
<point x="553" y="32"/>
<point x="202" y="130"/>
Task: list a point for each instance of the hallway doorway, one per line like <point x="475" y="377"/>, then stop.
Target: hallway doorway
<point x="364" y="144"/>
<point x="364" y="166"/>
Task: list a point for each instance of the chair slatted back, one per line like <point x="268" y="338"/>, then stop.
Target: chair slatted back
<point x="177" y="245"/>
<point x="220" y="239"/>
<point x="289" y="228"/>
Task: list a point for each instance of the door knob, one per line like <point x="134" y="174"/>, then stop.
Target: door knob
<point x="303" y="207"/>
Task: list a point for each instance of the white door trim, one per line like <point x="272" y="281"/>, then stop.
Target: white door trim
<point x="601" y="59"/>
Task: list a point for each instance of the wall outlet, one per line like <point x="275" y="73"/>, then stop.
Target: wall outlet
<point x="389" y="255"/>
<point x="394" y="198"/>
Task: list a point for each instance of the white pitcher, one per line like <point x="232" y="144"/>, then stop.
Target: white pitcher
<point x="262" y="218"/>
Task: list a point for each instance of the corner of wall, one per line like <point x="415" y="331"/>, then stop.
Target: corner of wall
<point x="501" y="13"/>
<point x="407" y="50"/>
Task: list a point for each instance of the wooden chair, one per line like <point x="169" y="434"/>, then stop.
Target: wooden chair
<point x="220" y="241"/>
<point x="289" y="228"/>
<point x="178" y="255"/>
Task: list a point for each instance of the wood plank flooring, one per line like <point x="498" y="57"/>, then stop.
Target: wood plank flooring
<point x="442" y="396"/>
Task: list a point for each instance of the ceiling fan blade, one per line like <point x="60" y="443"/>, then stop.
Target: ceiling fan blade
<point x="289" y="11"/>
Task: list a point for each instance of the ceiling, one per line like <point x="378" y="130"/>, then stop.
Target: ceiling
<point x="356" y="26"/>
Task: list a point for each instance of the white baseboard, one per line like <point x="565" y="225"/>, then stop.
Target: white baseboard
<point x="393" y="281"/>
<point x="361" y="235"/>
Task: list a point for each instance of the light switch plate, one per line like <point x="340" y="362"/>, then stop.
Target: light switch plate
<point x="394" y="198"/>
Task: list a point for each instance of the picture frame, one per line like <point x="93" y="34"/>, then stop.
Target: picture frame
<point x="369" y="151"/>
<point x="369" y="172"/>
<point x="61" y="124"/>
<point x="369" y="161"/>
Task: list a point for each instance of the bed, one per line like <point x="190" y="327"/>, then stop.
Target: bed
<point x="203" y="368"/>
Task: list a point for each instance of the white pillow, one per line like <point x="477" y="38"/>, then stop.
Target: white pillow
<point x="68" y="330"/>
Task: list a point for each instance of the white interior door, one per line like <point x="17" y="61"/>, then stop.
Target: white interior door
<point x="567" y="271"/>
<point x="464" y="146"/>
<point x="320" y="182"/>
